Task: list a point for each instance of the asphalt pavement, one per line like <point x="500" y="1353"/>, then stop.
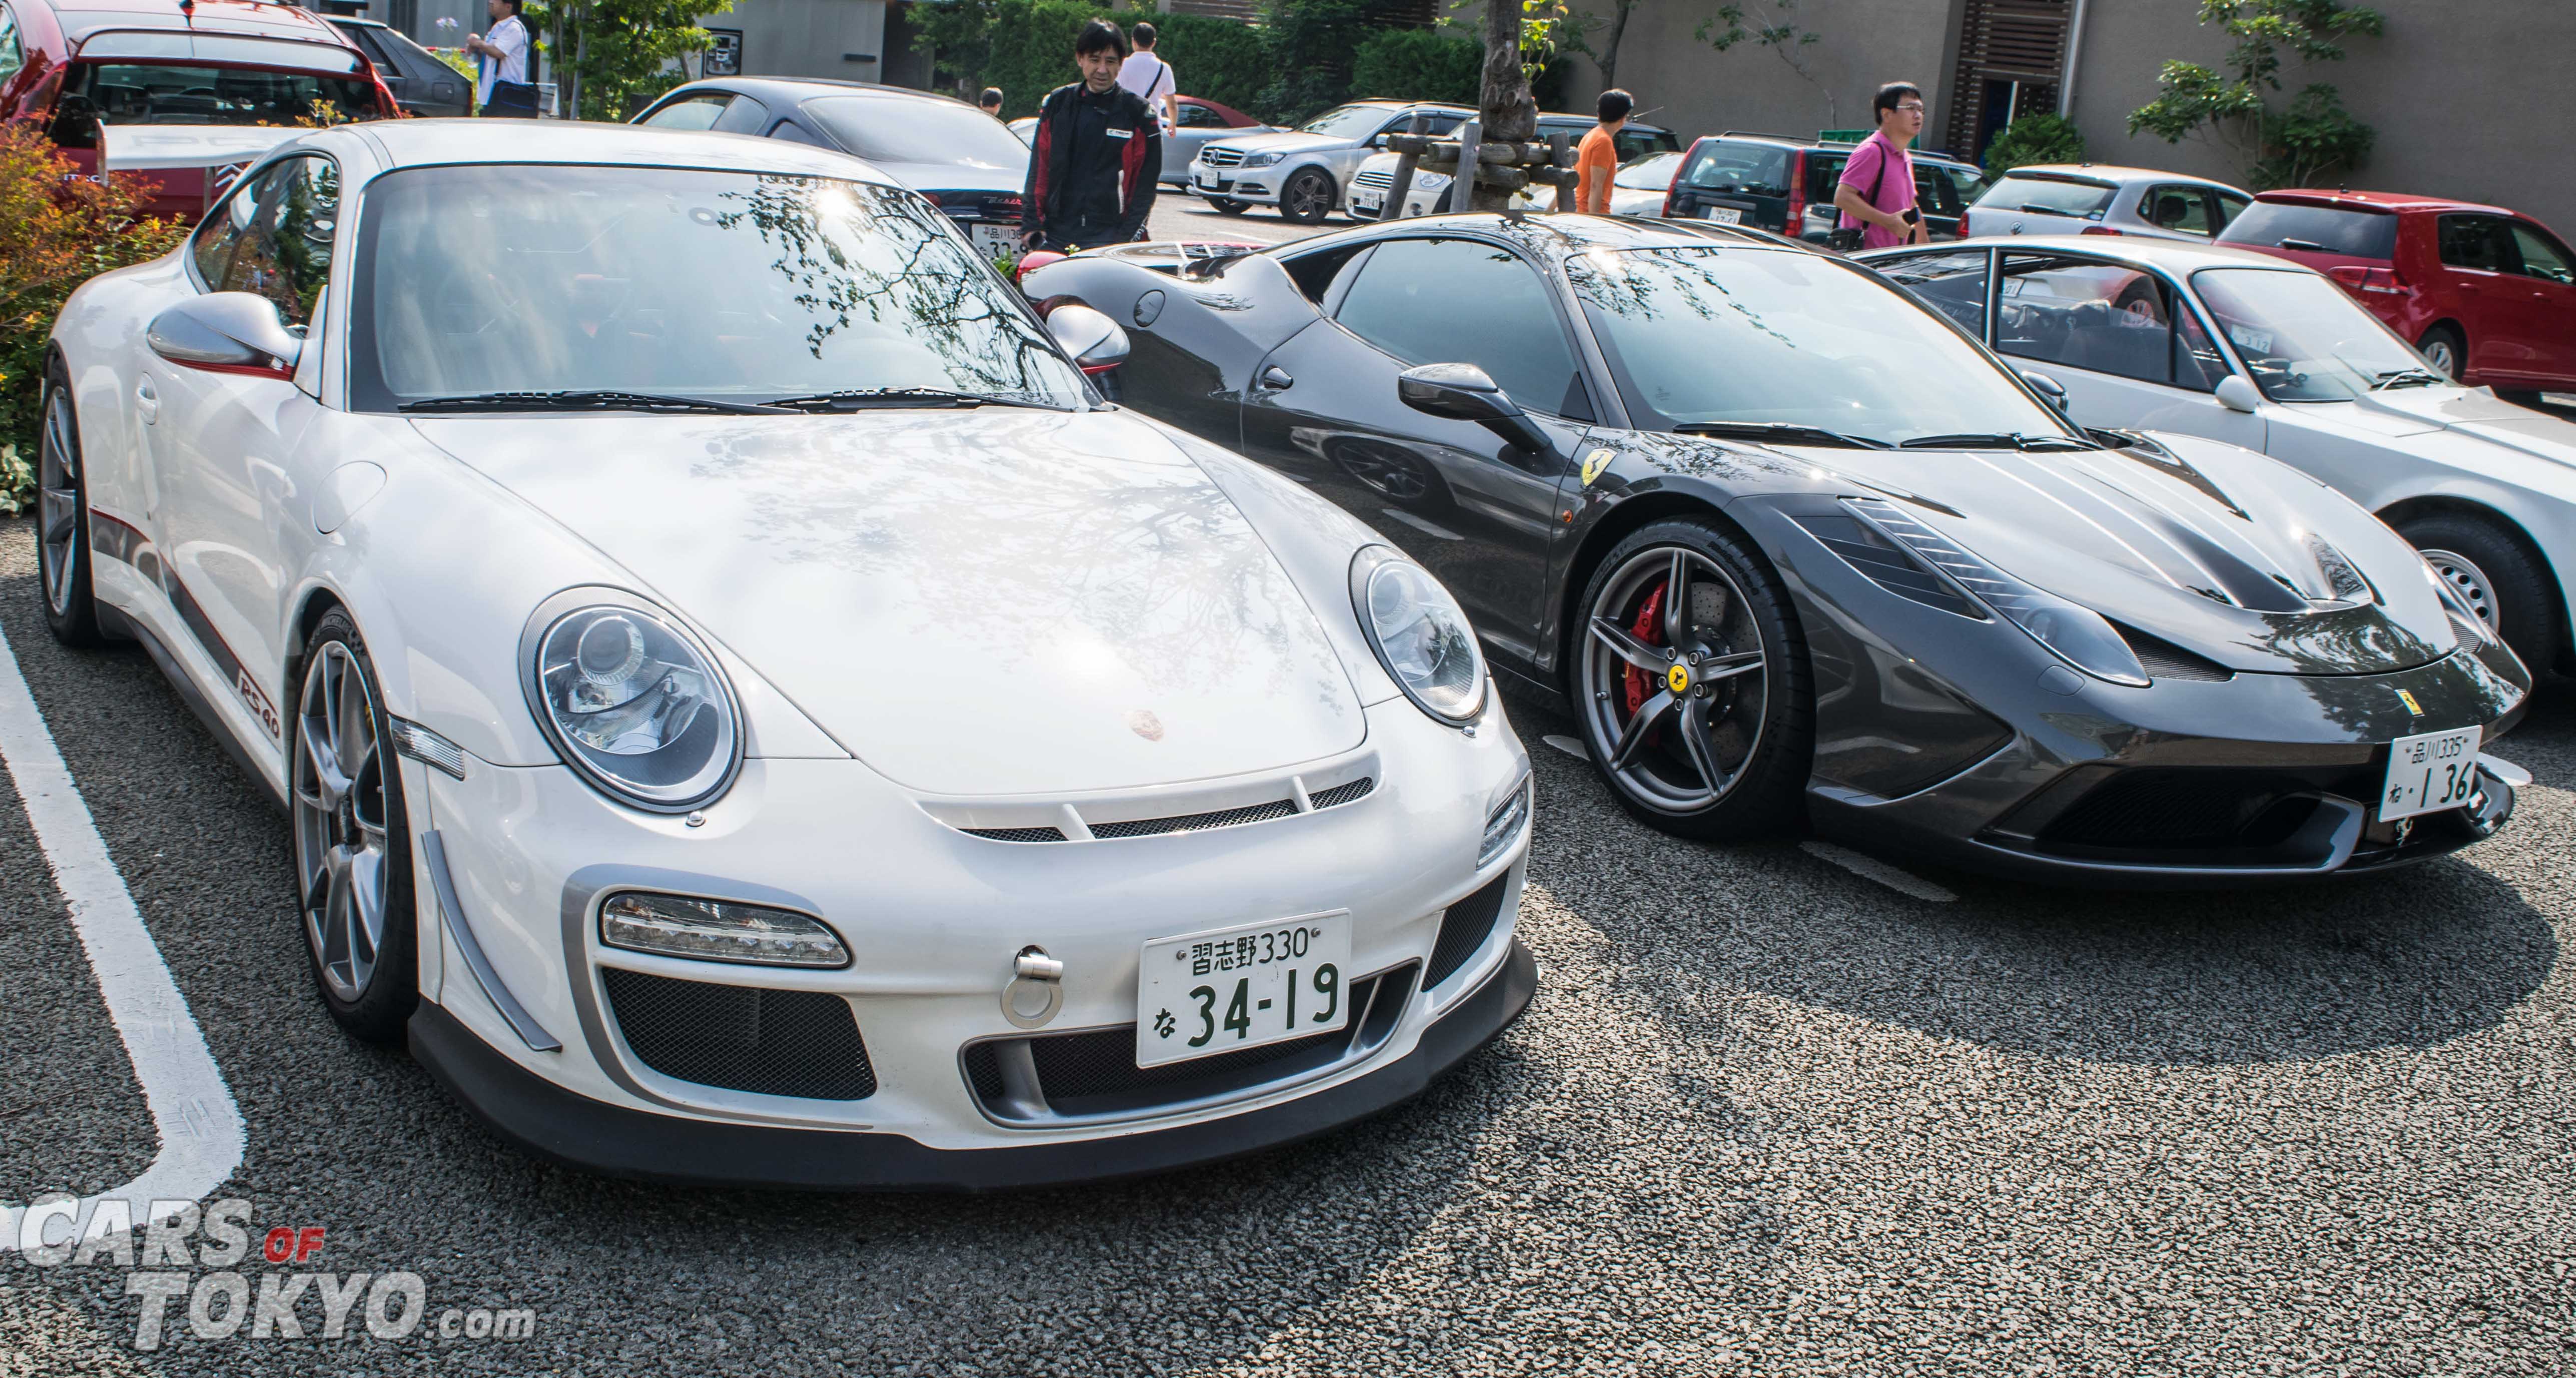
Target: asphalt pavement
<point x="1765" y="1116"/>
<point x="1179" y="215"/>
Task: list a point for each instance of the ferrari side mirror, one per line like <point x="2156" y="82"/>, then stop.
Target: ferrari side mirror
<point x="2237" y="393"/>
<point x="226" y="332"/>
<point x="1464" y="392"/>
<point x="1095" y="341"/>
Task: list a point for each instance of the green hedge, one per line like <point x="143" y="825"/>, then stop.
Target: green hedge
<point x="1218" y="59"/>
<point x="1419" y="64"/>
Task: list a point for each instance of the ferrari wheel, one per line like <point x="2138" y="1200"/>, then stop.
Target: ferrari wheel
<point x="1692" y="684"/>
<point x="1308" y="197"/>
<point x="62" y="519"/>
<point x="352" y="841"/>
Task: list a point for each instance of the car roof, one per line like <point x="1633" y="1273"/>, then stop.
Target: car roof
<point x="1820" y="146"/>
<point x="2374" y="200"/>
<point x="428" y="143"/>
<point x="2113" y="172"/>
<point x="1566" y="235"/>
<point x="794" y="90"/>
<point x="2136" y="251"/>
<point x="81" y="18"/>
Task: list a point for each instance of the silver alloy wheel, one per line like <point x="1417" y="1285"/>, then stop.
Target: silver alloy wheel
<point x="2469" y="582"/>
<point x="1308" y="197"/>
<point x="58" y="501"/>
<point x="341" y="858"/>
<point x="1705" y="682"/>
<point x="2437" y="352"/>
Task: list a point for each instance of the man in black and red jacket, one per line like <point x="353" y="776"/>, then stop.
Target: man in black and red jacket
<point x="1097" y="155"/>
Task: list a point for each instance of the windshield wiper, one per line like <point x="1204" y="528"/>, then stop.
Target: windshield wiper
<point x="2012" y="440"/>
<point x="2409" y="376"/>
<point x="590" y="400"/>
<point x="1779" y="430"/>
<point x="860" y="399"/>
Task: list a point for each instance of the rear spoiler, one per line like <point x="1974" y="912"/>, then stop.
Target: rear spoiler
<point x="157" y="147"/>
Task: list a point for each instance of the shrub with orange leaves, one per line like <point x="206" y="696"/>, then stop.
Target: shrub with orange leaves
<point x="58" y="229"/>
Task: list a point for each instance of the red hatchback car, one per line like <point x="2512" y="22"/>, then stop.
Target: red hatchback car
<point x="2489" y="296"/>
<point x="74" y="65"/>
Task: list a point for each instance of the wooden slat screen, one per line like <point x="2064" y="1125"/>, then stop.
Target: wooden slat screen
<point x="2004" y="40"/>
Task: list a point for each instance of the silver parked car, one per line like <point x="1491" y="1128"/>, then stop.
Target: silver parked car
<point x="1303" y="171"/>
<point x="2086" y="198"/>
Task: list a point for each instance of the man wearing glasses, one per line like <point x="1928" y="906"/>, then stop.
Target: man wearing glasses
<point x="1877" y="195"/>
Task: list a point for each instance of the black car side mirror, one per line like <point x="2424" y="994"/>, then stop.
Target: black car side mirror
<point x="226" y="332"/>
<point x="1464" y="392"/>
<point x="2047" y="387"/>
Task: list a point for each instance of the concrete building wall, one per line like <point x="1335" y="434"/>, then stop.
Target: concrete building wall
<point x="840" y="39"/>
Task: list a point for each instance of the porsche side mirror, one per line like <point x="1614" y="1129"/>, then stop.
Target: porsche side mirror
<point x="2047" y="387"/>
<point x="226" y="332"/>
<point x="1095" y="341"/>
<point x="2236" y="392"/>
<point x="1464" y="392"/>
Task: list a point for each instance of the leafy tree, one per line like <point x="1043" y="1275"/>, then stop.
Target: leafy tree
<point x="1311" y="53"/>
<point x="1787" y="39"/>
<point x="2312" y="138"/>
<point x="2035" y="139"/>
<point x="1418" y="64"/>
<point x="614" y="56"/>
<point x="1614" y="28"/>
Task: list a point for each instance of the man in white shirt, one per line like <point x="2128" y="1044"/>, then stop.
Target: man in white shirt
<point x="1151" y="77"/>
<point x="503" y="60"/>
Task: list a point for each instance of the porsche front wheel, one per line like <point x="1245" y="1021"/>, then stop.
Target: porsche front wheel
<point x="352" y="841"/>
<point x="1692" y="684"/>
<point x="62" y="518"/>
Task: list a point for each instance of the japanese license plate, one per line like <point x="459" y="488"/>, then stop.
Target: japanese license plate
<point x="2438" y="770"/>
<point x="1241" y="987"/>
<point x="1369" y="199"/>
<point x="993" y="240"/>
<point x="1724" y="215"/>
<point x="1213" y="182"/>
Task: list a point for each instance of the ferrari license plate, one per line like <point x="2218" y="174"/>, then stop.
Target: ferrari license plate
<point x="995" y="241"/>
<point x="2438" y="770"/>
<point x="1241" y="987"/>
<point x="1724" y="215"/>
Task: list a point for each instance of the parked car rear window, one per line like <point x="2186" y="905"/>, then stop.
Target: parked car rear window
<point x="2047" y="196"/>
<point x="1755" y="169"/>
<point x="2319" y="229"/>
<point x="99" y="93"/>
<point x="917" y="131"/>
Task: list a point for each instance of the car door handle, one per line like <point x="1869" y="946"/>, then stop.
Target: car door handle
<point x="1276" y="379"/>
<point x="147" y="401"/>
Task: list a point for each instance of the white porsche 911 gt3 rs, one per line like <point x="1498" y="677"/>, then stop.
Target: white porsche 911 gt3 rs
<point x="749" y="710"/>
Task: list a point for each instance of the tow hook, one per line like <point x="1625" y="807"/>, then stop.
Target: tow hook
<point x="1036" y="990"/>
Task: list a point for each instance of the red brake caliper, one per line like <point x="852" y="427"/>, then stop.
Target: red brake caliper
<point x="1649" y="628"/>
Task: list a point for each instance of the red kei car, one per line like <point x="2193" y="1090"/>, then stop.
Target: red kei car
<point x="2489" y="296"/>
<point x="74" y="65"/>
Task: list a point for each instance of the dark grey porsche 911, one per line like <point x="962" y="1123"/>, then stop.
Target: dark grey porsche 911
<point x="1789" y="545"/>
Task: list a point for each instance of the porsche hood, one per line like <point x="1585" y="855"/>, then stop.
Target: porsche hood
<point x="2213" y="548"/>
<point x="983" y="603"/>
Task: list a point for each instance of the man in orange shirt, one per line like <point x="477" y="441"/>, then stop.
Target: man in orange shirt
<point x="1598" y="160"/>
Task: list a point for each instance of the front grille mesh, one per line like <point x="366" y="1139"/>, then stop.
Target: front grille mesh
<point x="1017" y="834"/>
<point x="743" y="1038"/>
<point x="1463" y="929"/>
<point x="1374" y="179"/>
<point x="1192" y="822"/>
<point x="2151" y="807"/>
<point x="1221" y="157"/>
<point x="1343" y="794"/>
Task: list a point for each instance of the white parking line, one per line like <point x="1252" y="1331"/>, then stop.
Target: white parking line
<point x="200" y="1127"/>
<point x="1871" y="868"/>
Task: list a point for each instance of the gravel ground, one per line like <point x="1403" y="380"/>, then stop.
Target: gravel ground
<point x="1765" y="1116"/>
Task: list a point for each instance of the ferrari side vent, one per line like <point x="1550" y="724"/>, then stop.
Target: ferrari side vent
<point x="1887" y="564"/>
<point x="2162" y="659"/>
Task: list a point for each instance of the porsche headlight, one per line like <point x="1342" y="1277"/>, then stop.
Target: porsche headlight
<point x="1419" y="635"/>
<point x="634" y="703"/>
<point x="2077" y="634"/>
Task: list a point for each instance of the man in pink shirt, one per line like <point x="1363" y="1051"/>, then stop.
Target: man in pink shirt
<point x="1876" y="195"/>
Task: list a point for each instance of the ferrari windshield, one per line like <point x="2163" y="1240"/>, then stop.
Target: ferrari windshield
<point x="1727" y="336"/>
<point x="732" y="287"/>
<point x="2304" y="340"/>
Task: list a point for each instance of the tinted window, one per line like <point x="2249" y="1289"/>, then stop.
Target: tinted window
<point x="1439" y="301"/>
<point x="2046" y="196"/>
<point x="2181" y="209"/>
<point x="1751" y="168"/>
<point x="2542" y="256"/>
<point x="12" y="54"/>
<point x="697" y="112"/>
<point x="2230" y="206"/>
<point x="918" y="131"/>
<point x="154" y="93"/>
<point x="1636" y="143"/>
<point x="1353" y="122"/>
<point x="2474" y="241"/>
<point x="2095" y="316"/>
<point x="285" y="250"/>
<point x="375" y="52"/>
<point x="2318" y="229"/>
<point x="1933" y="191"/>
<point x="794" y="133"/>
<point x="746" y="115"/>
<point x="1200" y="117"/>
<point x="1824" y="173"/>
<point x="1955" y="284"/>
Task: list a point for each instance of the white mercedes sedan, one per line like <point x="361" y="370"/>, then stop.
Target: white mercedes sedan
<point x="750" y="711"/>
<point x="2274" y="356"/>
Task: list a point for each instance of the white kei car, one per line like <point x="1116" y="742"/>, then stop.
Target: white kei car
<point x="749" y="710"/>
<point x="2274" y="356"/>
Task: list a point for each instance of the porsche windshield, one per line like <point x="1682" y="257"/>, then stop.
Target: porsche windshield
<point x="735" y="287"/>
<point x="2303" y="339"/>
<point x="1732" y="336"/>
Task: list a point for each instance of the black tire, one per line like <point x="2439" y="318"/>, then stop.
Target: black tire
<point x="1764" y="790"/>
<point x="1227" y="205"/>
<point x="2446" y="351"/>
<point x="2499" y="578"/>
<point x="62" y="516"/>
<point x="375" y="1007"/>
<point x="1307" y="196"/>
<point x="2142" y="293"/>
